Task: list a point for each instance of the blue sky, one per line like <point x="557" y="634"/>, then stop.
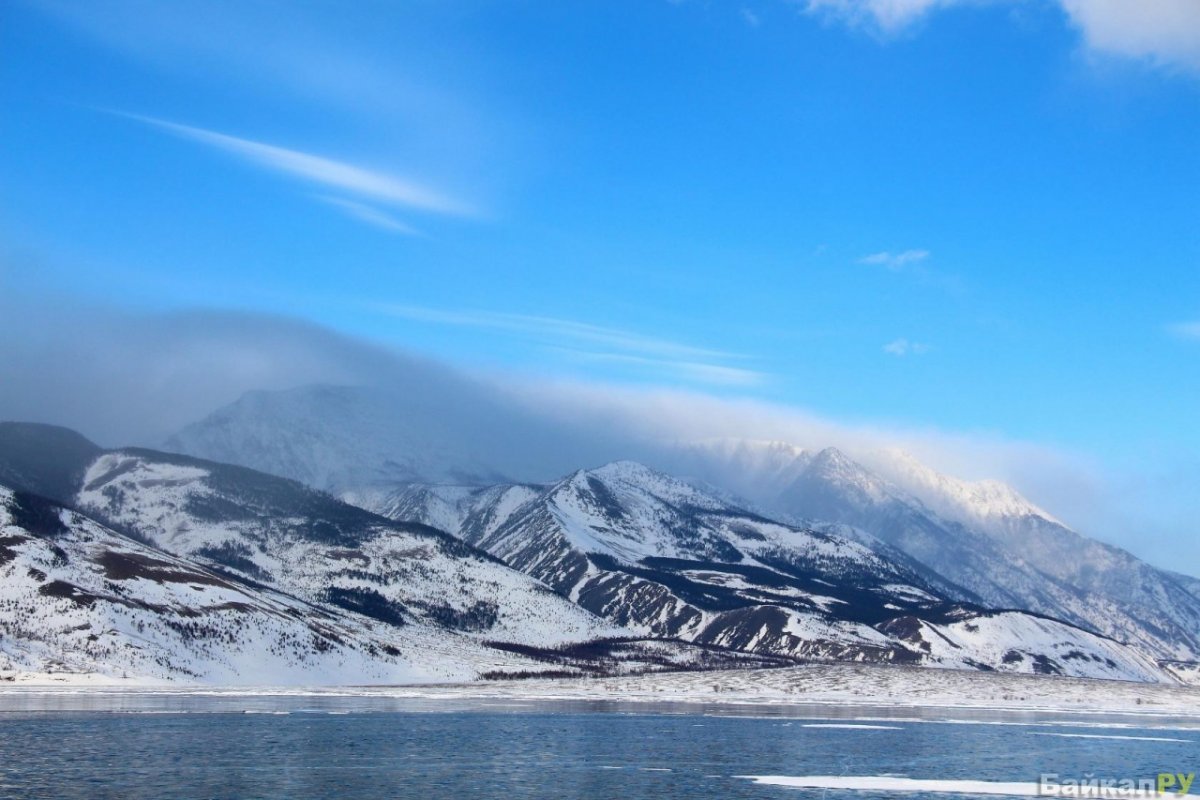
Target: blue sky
<point x="979" y="217"/>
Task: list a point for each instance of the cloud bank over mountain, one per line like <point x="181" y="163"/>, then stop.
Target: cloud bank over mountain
<point x="125" y="378"/>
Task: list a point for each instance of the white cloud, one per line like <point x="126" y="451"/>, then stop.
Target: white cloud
<point x="689" y="371"/>
<point x="319" y="170"/>
<point x="668" y="416"/>
<point x="1166" y="32"/>
<point x="903" y="347"/>
<point x="895" y="261"/>
<point x="134" y="379"/>
<point x="583" y="341"/>
<point x="752" y="19"/>
<point x="888" y="15"/>
<point x="311" y="52"/>
<point x="370" y="215"/>
<point x="558" y="330"/>
<point x="1185" y="330"/>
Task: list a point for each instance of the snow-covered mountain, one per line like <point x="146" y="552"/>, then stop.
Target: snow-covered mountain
<point x="331" y="436"/>
<point x="295" y="539"/>
<point x="982" y="535"/>
<point x="340" y="437"/>
<point x="1187" y="582"/>
<point x="78" y="597"/>
<point x="289" y="584"/>
<point x="664" y="558"/>
<point x="986" y="503"/>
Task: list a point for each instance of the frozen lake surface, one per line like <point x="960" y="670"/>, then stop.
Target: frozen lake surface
<point x="181" y="745"/>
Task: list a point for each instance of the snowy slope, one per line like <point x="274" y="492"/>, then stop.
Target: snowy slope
<point x="403" y="601"/>
<point x="980" y="535"/>
<point x="1028" y="644"/>
<point x="1111" y="589"/>
<point x="77" y="597"/>
<point x="297" y="540"/>
<point x="985" y="536"/>
<point x="972" y="541"/>
<point x="1192" y="585"/>
<point x="871" y="694"/>
<point x="1186" y="672"/>
<point x="986" y="502"/>
<point x="664" y="558"/>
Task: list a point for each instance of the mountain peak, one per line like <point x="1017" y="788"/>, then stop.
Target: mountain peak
<point x="626" y="469"/>
<point x="833" y="457"/>
<point x="831" y="464"/>
<point x="955" y="498"/>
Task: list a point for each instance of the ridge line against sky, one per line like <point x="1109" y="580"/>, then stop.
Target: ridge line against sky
<point x="963" y="215"/>
<point x="118" y="379"/>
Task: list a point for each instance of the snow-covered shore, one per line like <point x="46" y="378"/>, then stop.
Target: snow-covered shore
<point x="865" y="685"/>
<point x="848" y="685"/>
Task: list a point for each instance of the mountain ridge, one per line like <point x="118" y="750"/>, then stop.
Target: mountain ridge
<point x="648" y="550"/>
<point x="1025" y="560"/>
<point x="400" y="601"/>
<point x="981" y="536"/>
<point x="621" y="551"/>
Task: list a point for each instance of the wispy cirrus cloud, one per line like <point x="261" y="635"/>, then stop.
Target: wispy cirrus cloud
<point x="895" y="261"/>
<point x="559" y="330"/>
<point x="1165" y="32"/>
<point x="370" y="215"/>
<point x="127" y="378"/>
<point x="1185" y="330"/>
<point x="903" y="347"/>
<point x="912" y="263"/>
<point x="583" y="341"/>
<point x="750" y="17"/>
<point x="689" y="371"/>
<point x="375" y="80"/>
<point x="321" y="171"/>
<point x="308" y="52"/>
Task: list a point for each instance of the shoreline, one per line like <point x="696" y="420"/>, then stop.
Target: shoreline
<point x="848" y="686"/>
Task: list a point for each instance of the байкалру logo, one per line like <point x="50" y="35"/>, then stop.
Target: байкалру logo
<point x="1165" y="783"/>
